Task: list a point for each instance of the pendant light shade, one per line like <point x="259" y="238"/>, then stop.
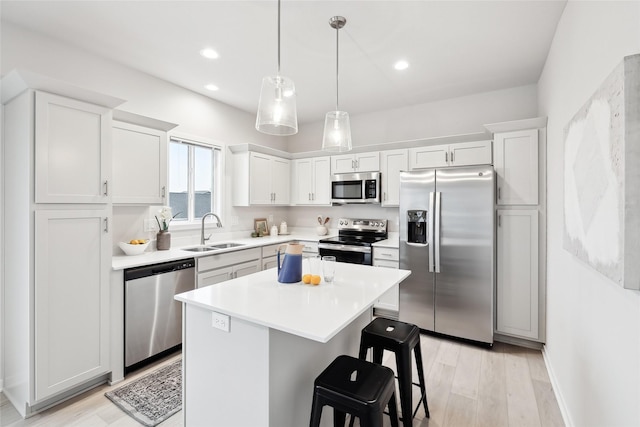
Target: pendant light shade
<point x="337" y="129"/>
<point x="277" y="113"/>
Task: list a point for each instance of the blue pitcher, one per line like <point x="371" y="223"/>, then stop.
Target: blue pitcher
<point x="290" y="267"/>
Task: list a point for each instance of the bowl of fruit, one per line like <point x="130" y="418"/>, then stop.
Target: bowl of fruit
<point x="134" y="247"/>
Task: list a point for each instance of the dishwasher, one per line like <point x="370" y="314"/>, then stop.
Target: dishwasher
<point x="152" y="318"/>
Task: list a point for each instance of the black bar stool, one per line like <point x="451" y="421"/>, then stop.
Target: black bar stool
<point x="399" y="337"/>
<point x="356" y="387"/>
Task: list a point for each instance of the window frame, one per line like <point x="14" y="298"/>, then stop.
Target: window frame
<point x="217" y="186"/>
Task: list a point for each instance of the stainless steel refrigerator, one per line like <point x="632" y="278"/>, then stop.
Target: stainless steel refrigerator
<point x="447" y="241"/>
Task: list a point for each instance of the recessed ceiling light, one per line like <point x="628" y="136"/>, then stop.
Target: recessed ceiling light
<point x="401" y="65"/>
<point x="212" y="87"/>
<point x="209" y="53"/>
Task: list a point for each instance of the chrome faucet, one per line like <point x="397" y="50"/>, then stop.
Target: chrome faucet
<point x="202" y="238"/>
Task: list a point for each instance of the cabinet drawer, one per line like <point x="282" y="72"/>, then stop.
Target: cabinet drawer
<point x="310" y="247"/>
<point x="385" y="263"/>
<point x="271" y="250"/>
<point x="388" y="254"/>
<point x="229" y="258"/>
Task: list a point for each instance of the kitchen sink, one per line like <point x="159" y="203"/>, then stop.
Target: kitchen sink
<point x="225" y="245"/>
<point x="200" y="249"/>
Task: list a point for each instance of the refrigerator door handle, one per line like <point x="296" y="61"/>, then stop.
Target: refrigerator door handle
<point x="430" y="232"/>
<point x="436" y="231"/>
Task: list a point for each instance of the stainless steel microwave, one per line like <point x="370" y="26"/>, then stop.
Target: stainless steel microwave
<point x="355" y="188"/>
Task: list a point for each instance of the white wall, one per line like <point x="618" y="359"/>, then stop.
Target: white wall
<point x="593" y="325"/>
<point x="454" y="116"/>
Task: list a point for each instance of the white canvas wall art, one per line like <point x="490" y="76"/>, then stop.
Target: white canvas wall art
<point x="602" y="178"/>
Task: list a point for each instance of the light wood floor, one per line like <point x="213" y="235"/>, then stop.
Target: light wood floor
<point x="466" y="386"/>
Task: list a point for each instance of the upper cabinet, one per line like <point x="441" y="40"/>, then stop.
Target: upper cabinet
<point x="139" y="159"/>
<point x="312" y="181"/>
<point x="362" y="162"/>
<point x="460" y="154"/>
<point x="516" y="165"/>
<point x="261" y="179"/>
<point x="72" y="150"/>
<point x="392" y="162"/>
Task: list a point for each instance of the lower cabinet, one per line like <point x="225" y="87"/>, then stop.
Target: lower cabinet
<point x="72" y="256"/>
<point x="222" y="267"/>
<point x="389" y="303"/>
<point x="517" y="273"/>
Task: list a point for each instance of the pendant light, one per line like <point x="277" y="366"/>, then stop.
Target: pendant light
<point x="277" y="107"/>
<point x="337" y="130"/>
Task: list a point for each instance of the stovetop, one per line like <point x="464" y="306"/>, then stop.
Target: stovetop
<point x="359" y="232"/>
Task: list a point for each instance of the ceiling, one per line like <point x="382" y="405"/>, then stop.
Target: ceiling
<point x="454" y="48"/>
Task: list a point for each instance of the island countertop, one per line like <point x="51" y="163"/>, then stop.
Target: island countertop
<point x="314" y="312"/>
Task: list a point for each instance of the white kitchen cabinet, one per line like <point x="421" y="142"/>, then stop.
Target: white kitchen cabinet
<point x="517" y="273"/>
<point x="139" y="160"/>
<point x="312" y="181"/>
<point x="460" y="154"/>
<point x="261" y="179"/>
<point x="392" y="162"/>
<point x="56" y="158"/>
<point x="389" y="303"/>
<point x="516" y="165"/>
<point x="72" y="150"/>
<point x="72" y="259"/>
<point x="226" y="266"/>
<point x="361" y="162"/>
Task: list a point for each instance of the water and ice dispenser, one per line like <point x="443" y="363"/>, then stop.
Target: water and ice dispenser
<point x="417" y="226"/>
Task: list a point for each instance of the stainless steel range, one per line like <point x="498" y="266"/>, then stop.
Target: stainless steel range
<point x="354" y="241"/>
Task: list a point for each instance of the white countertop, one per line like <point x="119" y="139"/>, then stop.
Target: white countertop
<point x="314" y="312"/>
<point x="120" y="262"/>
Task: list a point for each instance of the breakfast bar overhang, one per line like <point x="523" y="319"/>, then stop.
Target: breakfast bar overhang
<point x="252" y="347"/>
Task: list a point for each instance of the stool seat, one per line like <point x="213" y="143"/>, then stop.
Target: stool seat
<point x="400" y="338"/>
<point x="356" y="387"/>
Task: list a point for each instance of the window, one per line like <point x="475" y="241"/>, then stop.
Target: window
<point x="194" y="179"/>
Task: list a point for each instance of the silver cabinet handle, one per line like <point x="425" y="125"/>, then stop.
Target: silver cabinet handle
<point x="164" y="191"/>
<point x="106" y="188"/>
<point x="499" y="193"/>
<point x="499" y="220"/>
<point x="452" y="157"/>
<point x="106" y="225"/>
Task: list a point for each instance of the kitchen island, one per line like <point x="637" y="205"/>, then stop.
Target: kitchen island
<point x="252" y="347"/>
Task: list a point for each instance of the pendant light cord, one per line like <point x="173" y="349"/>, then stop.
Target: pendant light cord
<point x="337" y="58"/>
<point x="278" y="38"/>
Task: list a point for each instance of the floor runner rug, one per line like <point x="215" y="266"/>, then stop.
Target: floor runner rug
<point x="153" y="398"/>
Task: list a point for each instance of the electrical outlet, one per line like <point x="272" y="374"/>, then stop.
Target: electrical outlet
<point x="270" y="219"/>
<point x="235" y="220"/>
<point x="220" y="321"/>
<point x="149" y="225"/>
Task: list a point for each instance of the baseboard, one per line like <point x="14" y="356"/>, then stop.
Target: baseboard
<point x="520" y="342"/>
<point x="566" y="417"/>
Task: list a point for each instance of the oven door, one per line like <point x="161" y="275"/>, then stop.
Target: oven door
<point x="347" y="253"/>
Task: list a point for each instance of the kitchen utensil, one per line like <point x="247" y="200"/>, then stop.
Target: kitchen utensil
<point x="290" y="267"/>
<point x="319" y="220"/>
<point x="326" y="220"/>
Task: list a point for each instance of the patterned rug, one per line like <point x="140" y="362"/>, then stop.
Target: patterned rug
<point x="153" y="398"/>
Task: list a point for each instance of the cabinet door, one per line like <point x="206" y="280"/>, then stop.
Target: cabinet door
<point x="343" y="164"/>
<point x="246" y="268"/>
<point x="517" y="273"/>
<point x="321" y="193"/>
<point x="212" y="277"/>
<point x="470" y="153"/>
<point x="303" y="182"/>
<point x="516" y="164"/>
<point x="269" y="262"/>
<point x="392" y="163"/>
<point x="280" y="181"/>
<point x="139" y="164"/>
<point x="72" y="151"/>
<point x="71" y="333"/>
<point x="260" y="181"/>
<point x="434" y="156"/>
<point x="368" y="162"/>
